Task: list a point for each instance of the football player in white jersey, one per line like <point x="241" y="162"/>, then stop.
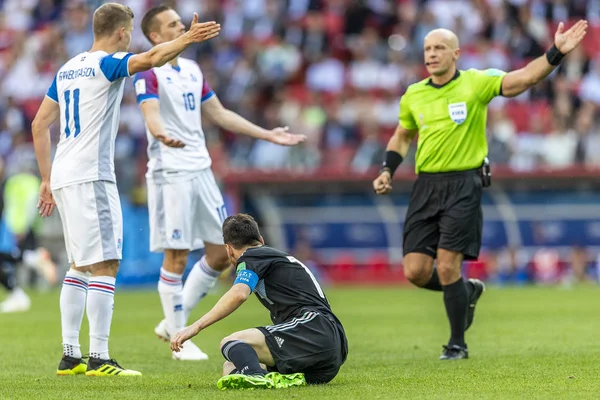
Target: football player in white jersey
<point x="85" y="97"/>
<point x="185" y="204"/>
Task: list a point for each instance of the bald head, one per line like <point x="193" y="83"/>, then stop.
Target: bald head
<point x="441" y="53"/>
<point x="443" y="35"/>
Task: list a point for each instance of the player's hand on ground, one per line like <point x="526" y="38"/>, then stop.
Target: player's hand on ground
<point x="186" y="334"/>
<point x="200" y="32"/>
<point x="567" y="41"/>
<point x="383" y="183"/>
<point x="169" y="141"/>
<point x="283" y="137"/>
<point x="46" y="202"/>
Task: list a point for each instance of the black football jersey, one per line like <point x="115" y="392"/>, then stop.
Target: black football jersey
<point x="285" y="285"/>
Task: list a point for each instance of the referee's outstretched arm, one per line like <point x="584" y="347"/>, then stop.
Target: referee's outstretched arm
<point x="518" y="81"/>
<point x="513" y="84"/>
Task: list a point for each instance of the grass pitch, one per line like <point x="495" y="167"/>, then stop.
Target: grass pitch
<point x="534" y="343"/>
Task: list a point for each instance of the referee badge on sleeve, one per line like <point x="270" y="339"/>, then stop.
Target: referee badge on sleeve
<point x="458" y="112"/>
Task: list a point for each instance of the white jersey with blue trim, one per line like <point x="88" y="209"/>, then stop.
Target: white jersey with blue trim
<point x="89" y="90"/>
<point x="180" y="91"/>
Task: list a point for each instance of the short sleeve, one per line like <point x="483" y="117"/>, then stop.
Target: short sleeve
<point x="52" y="91"/>
<point x="207" y="92"/>
<point x="488" y="83"/>
<point x="146" y="86"/>
<point x="115" y="66"/>
<point x="406" y="118"/>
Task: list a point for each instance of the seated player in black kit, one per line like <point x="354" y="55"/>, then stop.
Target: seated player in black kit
<point x="306" y="343"/>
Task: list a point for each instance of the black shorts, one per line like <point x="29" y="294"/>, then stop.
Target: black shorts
<point x="445" y="212"/>
<point x="312" y="343"/>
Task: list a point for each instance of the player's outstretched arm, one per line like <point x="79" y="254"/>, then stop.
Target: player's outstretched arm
<point x="518" y="81"/>
<point x="151" y="112"/>
<point x="230" y="302"/>
<point x="165" y="52"/>
<point x="227" y="119"/>
<point x="47" y="114"/>
<point x="396" y="150"/>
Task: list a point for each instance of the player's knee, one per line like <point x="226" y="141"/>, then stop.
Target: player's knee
<point x="417" y="274"/>
<point x="448" y="271"/>
<point x="175" y="261"/>
<point x="228" y="339"/>
<point x="105" y="268"/>
<point x="219" y="261"/>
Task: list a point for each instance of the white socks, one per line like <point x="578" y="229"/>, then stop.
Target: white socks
<point x="72" y="304"/>
<point x="100" y="303"/>
<point x="170" y="290"/>
<point x="200" y="280"/>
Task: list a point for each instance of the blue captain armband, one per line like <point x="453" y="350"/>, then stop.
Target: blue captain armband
<point x="247" y="277"/>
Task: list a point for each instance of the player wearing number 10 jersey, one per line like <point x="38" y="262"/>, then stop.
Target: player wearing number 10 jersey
<point x="305" y="344"/>
<point x="85" y="97"/>
<point x="185" y="204"/>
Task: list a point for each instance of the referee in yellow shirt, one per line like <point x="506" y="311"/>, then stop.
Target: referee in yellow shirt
<point x="444" y="219"/>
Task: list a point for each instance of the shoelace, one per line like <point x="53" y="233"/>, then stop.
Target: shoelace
<point x="114" y="363"/>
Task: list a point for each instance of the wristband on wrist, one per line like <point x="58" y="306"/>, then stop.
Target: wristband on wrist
<point x="392" y="160"/>
<point x="554" y="56"/>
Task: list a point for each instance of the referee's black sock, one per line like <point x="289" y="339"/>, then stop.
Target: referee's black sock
<point x="434" y="282"/>
<point x="243" y="356"/>
<point x="456" y="299"/>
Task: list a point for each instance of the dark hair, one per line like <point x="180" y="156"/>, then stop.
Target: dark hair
<point x="241" y="230"/>
<point x="149" y="21"/>
<point x="109" y="17"/>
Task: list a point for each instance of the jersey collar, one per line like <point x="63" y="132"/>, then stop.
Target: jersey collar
<point x="456" y="75"/>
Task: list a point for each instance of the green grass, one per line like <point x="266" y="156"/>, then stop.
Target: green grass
<point x="534" y="343"/>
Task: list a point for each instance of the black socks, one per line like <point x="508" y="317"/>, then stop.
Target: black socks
<point x="243" y="356"/>
<point x="456" y="299"/>
<point x="434" y="282"/>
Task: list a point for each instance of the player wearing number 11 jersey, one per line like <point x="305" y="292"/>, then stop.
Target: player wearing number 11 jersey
<point x="305" y="344"/>
<point x="85" y="97"/>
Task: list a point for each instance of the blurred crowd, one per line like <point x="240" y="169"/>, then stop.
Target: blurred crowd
<point x="331" y="69"/>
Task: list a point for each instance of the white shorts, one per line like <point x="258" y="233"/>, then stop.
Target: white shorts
<point x="185" y="215"/>
<point x="92" y="221"/>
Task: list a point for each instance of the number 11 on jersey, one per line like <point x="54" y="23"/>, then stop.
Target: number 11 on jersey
<point x="75" y="112"/>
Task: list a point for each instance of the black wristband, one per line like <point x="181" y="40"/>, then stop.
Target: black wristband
<point x="554" y="56"/>
<point x="392" y="160"/>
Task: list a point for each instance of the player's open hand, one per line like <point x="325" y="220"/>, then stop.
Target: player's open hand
<point x="184" y="335"/>
<point x="169" y="141"/>
<point x="567" y="41"/>
<point x="46" y="202"/>
<point x="200" y="32"/>
<point x="383" y="183"/>
<point x="282" y="137"/>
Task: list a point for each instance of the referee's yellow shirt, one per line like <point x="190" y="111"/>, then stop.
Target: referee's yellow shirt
<point x="451" y="119"/>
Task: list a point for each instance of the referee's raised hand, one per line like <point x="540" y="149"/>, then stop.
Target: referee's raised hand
<point x="565" y="42"/>
<point x="383" y="183"/>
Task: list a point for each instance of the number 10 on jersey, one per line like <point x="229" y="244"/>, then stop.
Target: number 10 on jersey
<point x="74" y="95"/>
<point x="189" y="101"/>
